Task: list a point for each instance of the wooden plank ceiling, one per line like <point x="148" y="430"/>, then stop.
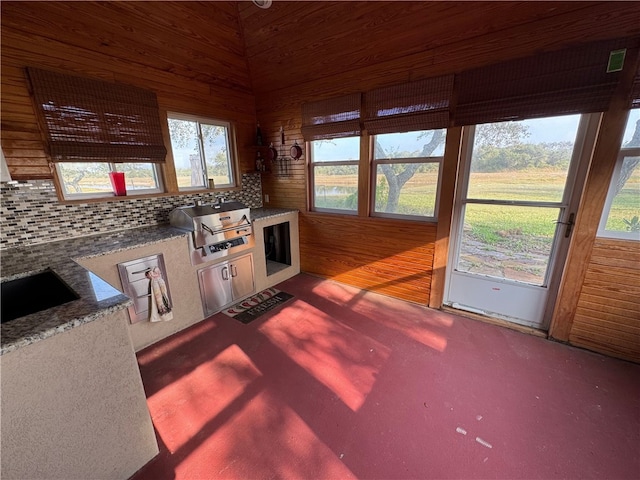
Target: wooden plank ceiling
<point x="293" y="43"/>
<point x="192" y="40"/>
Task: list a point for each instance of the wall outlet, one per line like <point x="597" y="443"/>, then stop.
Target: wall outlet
<point x="266" y="198"/>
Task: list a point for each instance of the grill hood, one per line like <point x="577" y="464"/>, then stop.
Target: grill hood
<point x="213" y="224"/>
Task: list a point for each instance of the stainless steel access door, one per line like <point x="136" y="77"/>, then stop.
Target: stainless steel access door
<point x="215" y="287"/>
<point x="241" y="270"/>
<point x="225" y="283"/>
<point x="135" y="284"/>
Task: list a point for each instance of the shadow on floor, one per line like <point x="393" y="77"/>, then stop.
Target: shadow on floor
<point x="339" y="383"/>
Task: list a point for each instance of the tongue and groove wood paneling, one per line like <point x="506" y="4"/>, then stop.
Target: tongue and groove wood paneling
<point x="608" y="316"/>
<point x="298" y="52"/>
<point x="190" y="53"/>
<point x="229" y="59"/>
<point x="351" y="43"/>
<point x="382" y="255"/>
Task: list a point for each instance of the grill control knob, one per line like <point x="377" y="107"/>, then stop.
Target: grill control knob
<point x="228" y="245"/>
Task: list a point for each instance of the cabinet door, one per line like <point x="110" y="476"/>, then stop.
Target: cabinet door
<point x="242" y="274"/>
<point x="215" y="287"/>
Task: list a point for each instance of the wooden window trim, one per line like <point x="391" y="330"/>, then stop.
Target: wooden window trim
<point x="593" y="199"/>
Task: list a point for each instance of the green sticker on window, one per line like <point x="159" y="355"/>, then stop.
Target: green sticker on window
<point x="616" y="60"/>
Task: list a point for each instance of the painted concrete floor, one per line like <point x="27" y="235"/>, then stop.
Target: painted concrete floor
<point x="339" y="383"/>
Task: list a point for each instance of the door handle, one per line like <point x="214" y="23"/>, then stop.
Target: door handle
<point x="234" y="271"/>
<point x="225" y="273"/>
<point x="568" y="225"/>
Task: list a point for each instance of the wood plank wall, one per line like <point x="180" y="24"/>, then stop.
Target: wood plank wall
<point x="385" y="256"/>
<point x="161" y="46"/>
<point x="608" y="316"/>
<point x="299" y="52"/>
<point x="230" y="59"/>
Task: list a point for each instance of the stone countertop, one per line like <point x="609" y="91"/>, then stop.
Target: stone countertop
<point x="97" y="298"/>
<point x="262" y="213"/>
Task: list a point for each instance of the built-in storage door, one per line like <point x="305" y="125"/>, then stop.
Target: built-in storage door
<point x="224" y="283"/>
<point x="215" y="287"/>
<point x="241" y="270"/>
<point x="515" y="205"/>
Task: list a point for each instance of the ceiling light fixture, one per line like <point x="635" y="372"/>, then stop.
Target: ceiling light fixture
<point x="262" y="3"/>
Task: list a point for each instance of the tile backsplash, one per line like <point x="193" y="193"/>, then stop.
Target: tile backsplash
<point x="30" y="212"/>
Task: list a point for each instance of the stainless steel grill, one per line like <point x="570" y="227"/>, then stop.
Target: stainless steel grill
<point x="217" y="229"/>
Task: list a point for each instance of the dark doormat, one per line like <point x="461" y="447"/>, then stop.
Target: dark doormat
<point x="251" y="308"/>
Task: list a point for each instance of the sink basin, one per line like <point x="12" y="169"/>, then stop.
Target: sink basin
<point x="32" y="294"/>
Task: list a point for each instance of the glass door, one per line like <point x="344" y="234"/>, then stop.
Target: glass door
<point x="515" y="206"/>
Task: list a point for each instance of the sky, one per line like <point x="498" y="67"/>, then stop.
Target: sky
<point x="555" y="129"/>
<point x="547" y="130"/>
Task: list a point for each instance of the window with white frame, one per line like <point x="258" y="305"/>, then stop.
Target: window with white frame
<point x="621" y="214"/>
<point x="406" y="173"/>
<point x="334" y="174"/>
<point x="202" y="149"/>
<point x="93" y="128"/>
<point x="85" y="180"/>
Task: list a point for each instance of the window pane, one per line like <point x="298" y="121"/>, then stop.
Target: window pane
<point x="624" y="213"/>
<point x="415" y="197"/>
<point x="631" y="136"/>
<point x="138" y="176"/>
<point x="93" y="178"/>
<point x="621" y="215"/>
<point x="186" y="153"/>
<point x="537" y="152"/>
<point x="336" y="187"/>
<point x="216" y="151"/>
<point x="85" y="178"/>
<point x="507" y="242"/>
<point x="425" y="143"/>
<point x="337" y="149"/>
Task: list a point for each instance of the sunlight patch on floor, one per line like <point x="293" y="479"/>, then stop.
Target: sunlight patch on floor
<point x="269" y="437"/>
<point x="210" y="388"/>
<point x="416" y="322"/>
<point x="341" y="358"/>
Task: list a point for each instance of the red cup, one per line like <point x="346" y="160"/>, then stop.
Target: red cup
<point x="117" y="182"/>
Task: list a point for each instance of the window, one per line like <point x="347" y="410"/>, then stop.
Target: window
<point x="621" y="214"/>
<point x="91" y="179"/>
<point x="332" y="128"/>
<point x="202" y="150"/>
<point x="406" y="168"/>
<point x="92" y="127"/>
<point x="334" y="174"/>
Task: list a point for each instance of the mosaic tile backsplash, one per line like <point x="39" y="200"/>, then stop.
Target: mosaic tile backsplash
<point x="31" y="214"/>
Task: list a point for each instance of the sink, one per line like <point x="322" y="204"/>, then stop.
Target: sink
<point x="32" y="294"/>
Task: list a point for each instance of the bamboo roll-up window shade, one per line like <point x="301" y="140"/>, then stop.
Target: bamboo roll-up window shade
<point x="635" y="91"/>
<point x="556" y="83"/>
<point x="332" y="118"/>
<point x="88" y="120"/>
<point x="420" y="105"/>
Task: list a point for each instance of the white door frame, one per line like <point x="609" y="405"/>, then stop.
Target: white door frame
<point x="541" y="299"/>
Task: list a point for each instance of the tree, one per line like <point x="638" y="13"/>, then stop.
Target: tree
<point x="501" y="135"/>
<point x="630" y="163"/>
<point x="185" y="134"/>
<point x="399" y="174"/>
<point x="488" y="158"/>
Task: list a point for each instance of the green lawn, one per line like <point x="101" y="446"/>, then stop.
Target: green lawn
<point x="515" y="227"/>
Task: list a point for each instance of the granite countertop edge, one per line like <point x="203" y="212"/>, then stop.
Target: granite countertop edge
<point x="266" y="213"/>
<point x="61" y="257"/>
<point x="97" y="298"/>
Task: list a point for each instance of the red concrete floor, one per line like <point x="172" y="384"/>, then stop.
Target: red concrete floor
<point x="339" y="383"/>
